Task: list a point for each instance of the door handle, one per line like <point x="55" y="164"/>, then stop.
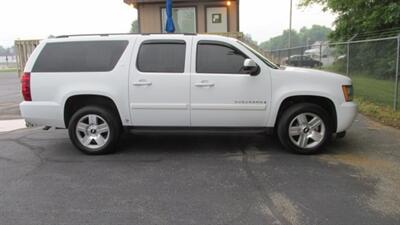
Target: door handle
<point x="142" y="83"/>
<point x="204" y="83"/>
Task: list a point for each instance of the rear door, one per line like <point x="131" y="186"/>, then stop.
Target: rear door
<point x="159" y="84"/>
<point x="222" y="95"/>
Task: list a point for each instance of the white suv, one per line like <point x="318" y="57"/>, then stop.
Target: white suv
<point x="96" y="85"/>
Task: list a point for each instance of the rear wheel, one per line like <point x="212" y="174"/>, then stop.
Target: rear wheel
<point x="94" y="130"/>
<point x="304" y="128"/>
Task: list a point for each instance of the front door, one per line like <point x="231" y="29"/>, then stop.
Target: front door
<point x="159" y="82"/>
<point x="217" y="19"/>
<point x="222" y="94"/>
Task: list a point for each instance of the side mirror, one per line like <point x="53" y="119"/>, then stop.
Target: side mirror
<point x="251" y="67"/>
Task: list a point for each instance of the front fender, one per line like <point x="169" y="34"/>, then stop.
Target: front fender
<point x="282" y="95"/>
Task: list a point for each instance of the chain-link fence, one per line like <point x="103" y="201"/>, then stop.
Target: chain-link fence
<point x="372" y="64"/>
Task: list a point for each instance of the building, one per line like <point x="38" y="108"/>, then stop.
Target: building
<point x="190" y="16"/>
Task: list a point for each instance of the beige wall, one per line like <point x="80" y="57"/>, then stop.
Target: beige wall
<point x="150" y="15"/>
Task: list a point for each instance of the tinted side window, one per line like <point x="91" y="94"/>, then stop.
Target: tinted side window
<point x="162" y="57"/>
<point x="82" y="56"/>
<point x="219" y="58"/>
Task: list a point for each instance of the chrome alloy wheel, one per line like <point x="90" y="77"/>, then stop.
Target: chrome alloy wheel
<point x="92" y="131"/>
<point x="307" y="130"/>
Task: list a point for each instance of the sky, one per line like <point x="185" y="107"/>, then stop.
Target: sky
<point x="37" y="19"/>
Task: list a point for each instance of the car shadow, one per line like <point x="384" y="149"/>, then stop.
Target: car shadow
<point x="198" y="144"/>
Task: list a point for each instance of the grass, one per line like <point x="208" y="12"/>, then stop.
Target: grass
<point x="8" y="70"/>
<point x="374" y="98"/>
<point x="383" y="114"/>
<point x="380" y="92"/>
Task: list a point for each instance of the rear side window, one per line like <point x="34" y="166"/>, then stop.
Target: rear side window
<point x="162" y="56"/>
<point x="81" y="56"/>
<point x="218" y="57"/>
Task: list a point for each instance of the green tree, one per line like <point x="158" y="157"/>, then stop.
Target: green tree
<point x="305" y="36"/>
<point x="249" y="40"/>
<point x="281" y="41"/>
<point x="315" y="33"/>
<point x="135" y="27"/>
<point x="368" y="19"/>
<point x="7" y="51"/>
<point x="3" y="51"/>
<point x="360" y="16"/>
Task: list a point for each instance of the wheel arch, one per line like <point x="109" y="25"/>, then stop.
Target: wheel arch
<point x="325" y="102"/>
<point x="75" y="102"/>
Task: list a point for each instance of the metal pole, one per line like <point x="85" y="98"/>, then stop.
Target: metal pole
<point x="290" y="31"/>
<point x="348" y="55"/>
<point x="279" y="56"/>
<point x="320" y="54"/>
<point x="348" y="58"/>
<point x="396" y="87"/>
<point x="290" y="25"/>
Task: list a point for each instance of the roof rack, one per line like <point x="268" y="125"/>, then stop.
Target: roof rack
<point x="189" y="34"/>
<point x="112" y="34"/>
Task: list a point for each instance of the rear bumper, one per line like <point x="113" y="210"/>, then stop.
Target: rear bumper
<point x="346" y="113"/>
<point x="42" y="113"/>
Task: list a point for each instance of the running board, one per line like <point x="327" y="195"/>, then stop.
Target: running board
<point x="200" y="130"/>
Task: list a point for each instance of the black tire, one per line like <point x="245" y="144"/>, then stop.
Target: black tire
<point x="289" y="115"/>
<point x="114" y="126"/>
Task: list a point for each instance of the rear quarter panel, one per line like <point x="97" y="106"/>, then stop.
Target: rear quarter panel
<point x="56" y="88"/>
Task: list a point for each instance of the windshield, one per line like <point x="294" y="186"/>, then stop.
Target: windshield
<point x="260" y="56"/>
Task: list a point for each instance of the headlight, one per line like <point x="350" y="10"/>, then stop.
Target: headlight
<point x="348" y="92"/>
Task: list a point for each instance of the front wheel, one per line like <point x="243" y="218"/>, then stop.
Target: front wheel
<point x="304" y="128"/>
<point x="94" y="130"/>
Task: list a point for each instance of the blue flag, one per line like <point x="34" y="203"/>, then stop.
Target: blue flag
<point x="169" y="27"/>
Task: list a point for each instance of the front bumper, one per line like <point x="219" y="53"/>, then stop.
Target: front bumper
<point x="346" y="113"/>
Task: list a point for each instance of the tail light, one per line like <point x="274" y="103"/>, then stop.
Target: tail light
<point x="26" y="86"/>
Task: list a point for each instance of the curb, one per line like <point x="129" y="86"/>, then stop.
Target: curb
<point x="11" y="125"/>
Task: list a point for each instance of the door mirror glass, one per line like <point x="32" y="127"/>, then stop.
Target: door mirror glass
<point x="251" y="67"/>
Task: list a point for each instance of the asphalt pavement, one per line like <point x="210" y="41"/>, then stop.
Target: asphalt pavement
<point x="200" y="179"/>
<point x="10" y="96"/>
<point x="196" y="179"/>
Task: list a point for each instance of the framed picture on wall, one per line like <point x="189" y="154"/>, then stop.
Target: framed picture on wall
<point x="216" y="18"/>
